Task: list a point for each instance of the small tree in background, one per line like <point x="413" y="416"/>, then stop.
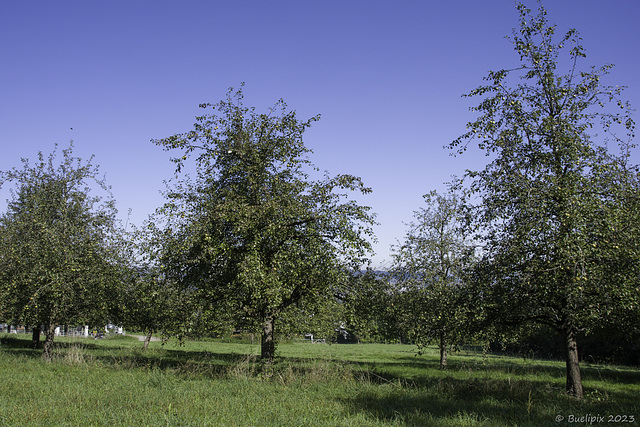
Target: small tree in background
<point x="372" y="308"/>
<point x="153" y="305"/>
<point x="60" y="247"/>
<point x="428" y="271"/>
<point x="557" y="248"/>
<point x="153" y="301"/>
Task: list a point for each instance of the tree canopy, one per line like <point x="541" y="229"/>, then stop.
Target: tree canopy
<point x="429" y="271"/>
<point x="253" y="233"/>
<point x="60" y="246"/>
<point x="553" y="196"/>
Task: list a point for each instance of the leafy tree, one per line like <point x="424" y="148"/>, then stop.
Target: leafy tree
<point x="59" y="259"/>
<point x="429" y="269"/>
<point x="372" y="308"/>
<point x="153" y="301"/>
<point x="153" y="305"/>
<point x="320" y="320"/>
<point x="553" y="198"/>
<point x="253" y="234"/>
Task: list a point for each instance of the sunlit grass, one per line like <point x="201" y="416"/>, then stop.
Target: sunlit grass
<point x="114" y="382"/>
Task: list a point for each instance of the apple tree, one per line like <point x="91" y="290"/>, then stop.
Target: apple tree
<point x="557" y="249"/>
<point x="253" y="233"/>
<point x="60" y="246"/>
<point x="429" y="272"/>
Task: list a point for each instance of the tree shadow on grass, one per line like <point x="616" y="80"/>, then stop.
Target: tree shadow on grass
<point x="451" y="401"/>
<point x="19" y="346"/>
<point x="495" y="392"/>
<point x="185" y="363"/>
<point x="406" y="407"/>
<point x="514" y="367"/>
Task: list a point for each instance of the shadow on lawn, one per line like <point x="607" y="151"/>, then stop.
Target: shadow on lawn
<point x="24" y="347"/>
<point x="510" y="366"/>
<point x="418" y="372"/>
<point x="185" y="363"/>
<point x="176" y="361"/>
<point x="432" y="408"/>
<point x="451" y="401"/>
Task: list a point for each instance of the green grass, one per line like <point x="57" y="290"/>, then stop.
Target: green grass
<point x="112" y="382"/>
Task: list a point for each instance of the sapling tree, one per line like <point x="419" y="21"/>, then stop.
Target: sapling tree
<point x="154" y="301"/>
<point x="429" y="272"/>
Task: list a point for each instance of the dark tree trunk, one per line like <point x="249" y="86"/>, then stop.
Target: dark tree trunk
<point x="47" y="349"/>
<point x="147" y="339"/>
<point x="443" y="351"/>
<point x="35" y="337"/>
<point x="574" y="379"/>
<point x="268" y="344"/>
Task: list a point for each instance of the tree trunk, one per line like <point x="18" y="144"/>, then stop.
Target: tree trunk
<point x="147" y="339"/>
<point x="47" y="349"/>
<point x="443" y="351"/>
<point x="35" y="337"/>
<point x="268" y="345"/>
<point x="574" y="379"/>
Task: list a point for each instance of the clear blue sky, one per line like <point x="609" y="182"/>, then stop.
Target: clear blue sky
<point x="387" y="78"/>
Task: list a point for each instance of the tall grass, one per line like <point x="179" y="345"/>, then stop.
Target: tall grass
<point x="113" y="382"/>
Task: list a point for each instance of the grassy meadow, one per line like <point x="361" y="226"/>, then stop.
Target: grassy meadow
<point x="112" y="382"/>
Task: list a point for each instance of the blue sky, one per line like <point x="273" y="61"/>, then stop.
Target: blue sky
<point x="387" y="78"/>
